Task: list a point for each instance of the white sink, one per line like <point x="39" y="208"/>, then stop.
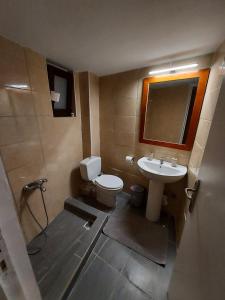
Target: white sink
<point x="159" y="174"/>
<point x="153" y="170"/>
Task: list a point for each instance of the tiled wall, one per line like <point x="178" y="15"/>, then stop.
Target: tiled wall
<point x="85" y="113"/>
<point x="199" y="269"/>
<point x="120" y="96"/>
<point x="33" y="144"/>
<point x="210" y="101"/>
<point x="207" y="113"/>
<point x="94" y="114"/>
<point x="89" y="94"/>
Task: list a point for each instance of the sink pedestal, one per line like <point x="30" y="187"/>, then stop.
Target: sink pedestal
<point x="155" y="194"/>
<point x="158" y="173"/>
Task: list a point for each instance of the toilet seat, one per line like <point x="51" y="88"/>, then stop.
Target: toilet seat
<point x="109" y="182"/>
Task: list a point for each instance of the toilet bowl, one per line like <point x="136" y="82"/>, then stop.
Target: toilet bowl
<point x="107" y="186"/>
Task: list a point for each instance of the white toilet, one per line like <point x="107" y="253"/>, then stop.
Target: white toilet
<point x="107" y="186"/>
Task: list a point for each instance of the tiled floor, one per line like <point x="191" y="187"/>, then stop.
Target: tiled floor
<point x="64" y="248"/>
<point x="115" y="272"/>
<point x="111" y="272"/>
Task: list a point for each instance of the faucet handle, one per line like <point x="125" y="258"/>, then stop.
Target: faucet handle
<point x="150" y="156"/>
<point x="173" y="161"/>
<point x="42" y="180"/>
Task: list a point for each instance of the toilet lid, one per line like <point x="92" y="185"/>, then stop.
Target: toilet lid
<point x="109" y="182"/>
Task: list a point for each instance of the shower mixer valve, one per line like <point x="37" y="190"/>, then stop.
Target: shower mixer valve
<point x="37" y="184"/>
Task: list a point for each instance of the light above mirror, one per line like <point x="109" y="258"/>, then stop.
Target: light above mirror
<point x="179" y="68"/>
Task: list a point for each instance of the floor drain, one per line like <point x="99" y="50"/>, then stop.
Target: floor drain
<point x="88" y="225"/>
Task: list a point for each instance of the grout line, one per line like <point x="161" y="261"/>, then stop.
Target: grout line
<point x="75" y="254"/>
<point x="100" y="249"/>
<point x="108" y="264"/>
<point x="132" y="283"/>
<point x="114" y="289"/>
<point x="88" y="267"/>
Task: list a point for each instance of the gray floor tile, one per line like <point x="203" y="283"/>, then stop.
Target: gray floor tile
<point x="124" y="290"/>
<point x="61" y="234"/>
<point x="56" y="281"/>
<point x="87" y="264"/>
<point x="122" y="200"/>
<point x="2" y="294"/>
<point x="166" y="272"/>
<point x="143" y="273"/>
<point x="168" y="221"/>
<point x="102" y="239"/>
<point x="97" y="283"/>
<point x="115" y="254"/>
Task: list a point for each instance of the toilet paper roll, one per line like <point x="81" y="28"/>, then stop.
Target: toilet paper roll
<point x="129" y="159"/>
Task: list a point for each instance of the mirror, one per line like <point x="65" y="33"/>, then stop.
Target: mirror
<point x="171" y="103"/>
<point x="171" y="107"/>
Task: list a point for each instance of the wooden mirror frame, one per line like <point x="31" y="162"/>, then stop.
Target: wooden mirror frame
<point x="202" y="75"/>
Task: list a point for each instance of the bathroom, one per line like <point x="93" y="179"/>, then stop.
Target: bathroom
<point x="174" y="247"/>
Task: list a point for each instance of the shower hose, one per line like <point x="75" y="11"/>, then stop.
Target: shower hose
<point x="34" y="250"/>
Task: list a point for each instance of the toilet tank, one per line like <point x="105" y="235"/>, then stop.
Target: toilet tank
<point x="90" y="167"/>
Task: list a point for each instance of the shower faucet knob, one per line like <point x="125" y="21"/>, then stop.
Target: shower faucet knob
<point x="43" y="180"/>
<point x="37" y="184"/>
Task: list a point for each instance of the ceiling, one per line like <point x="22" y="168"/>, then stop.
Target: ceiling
<point x="110" y="36"/>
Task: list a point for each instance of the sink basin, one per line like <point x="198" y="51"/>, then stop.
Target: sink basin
<point x="163" y="173"/>
<point x="158" y="174"/>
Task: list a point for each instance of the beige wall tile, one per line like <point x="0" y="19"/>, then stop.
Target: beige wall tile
<point x="107" y="107"/>
<point x="85" y="112"/>
<point x="37" y="71"/>
<point x="125" y="106"/>
<point x="18" y="155"/>
<point x="60" y="139"/>
<point x="33" y="144"/>
<point x="143" y="149"/>
<point x="215" y="78"/>
<point x="107" y="137"/>
<point x="125" y="85"/>
<point x="27" y="127"/>
<point x="203" y="132"/>
<point x="208" y="109"/>
<point x="124" y="124"/>
<point x="9" y="131"/>
<point x="5" y="105"/>
<point x="22" y="102"/>
<point x="209" y="104"/>
<point x="124" y="139"/>
<point x="12" y="64"/>
<point x="196" y="158"/>
<point x="191" y="177"/>
<point x="84" y="94"/>
<point x="17" y="179"/>
<point x="16" y="102"/>
<point x="94" y="114"/>
<point x="106" y="123"/>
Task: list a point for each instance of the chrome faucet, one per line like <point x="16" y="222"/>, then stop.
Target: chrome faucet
<point x="37" y="184"/>
<point x="161" y="162"/>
